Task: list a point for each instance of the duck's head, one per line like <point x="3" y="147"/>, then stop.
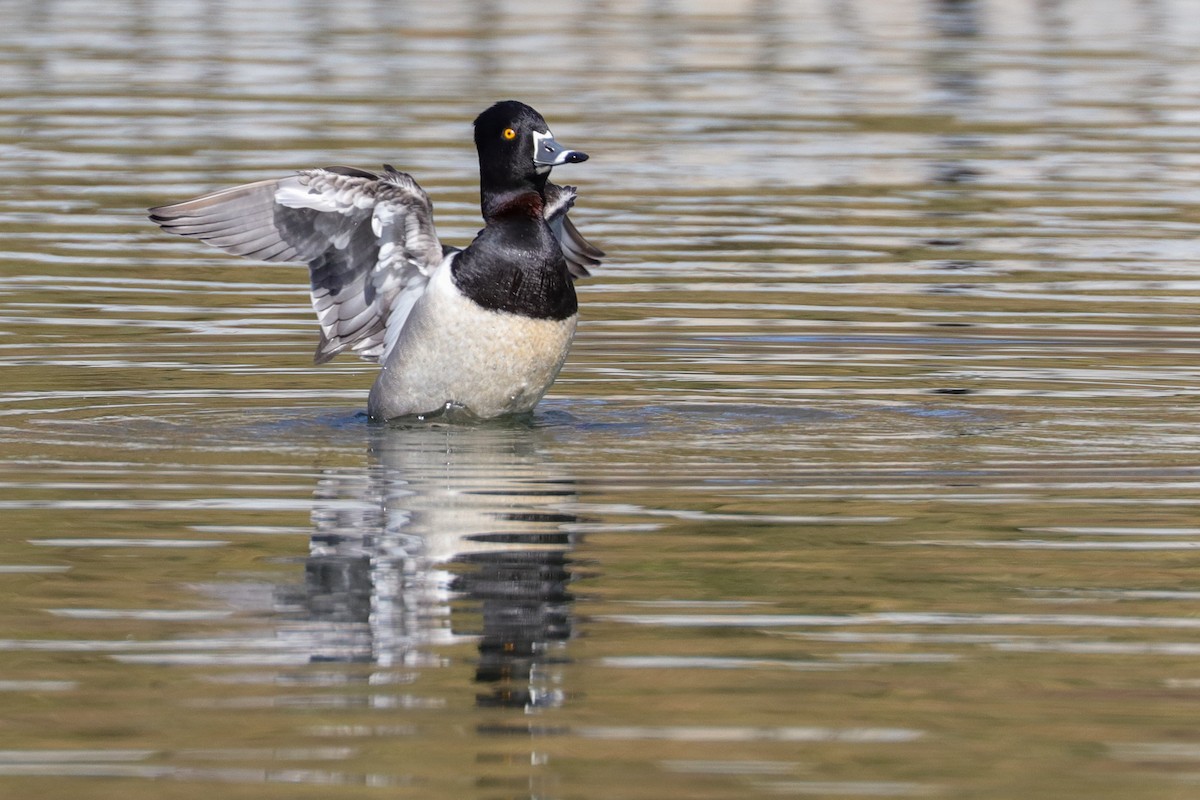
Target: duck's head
<point x="516" y="148"/>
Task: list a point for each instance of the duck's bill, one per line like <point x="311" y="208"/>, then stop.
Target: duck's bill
<point x="549" y="153"/>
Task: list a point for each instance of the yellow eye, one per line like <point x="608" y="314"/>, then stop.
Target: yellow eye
<point x="509" y="134"/>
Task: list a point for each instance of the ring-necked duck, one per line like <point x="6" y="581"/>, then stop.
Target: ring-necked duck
<point x="486" y="328"/>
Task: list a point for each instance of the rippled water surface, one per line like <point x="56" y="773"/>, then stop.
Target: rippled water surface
<point x="873" y="471"/>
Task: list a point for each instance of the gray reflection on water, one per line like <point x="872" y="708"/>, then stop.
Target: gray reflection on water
<point x="449" y="532"/>
<point x="955" y="28"/>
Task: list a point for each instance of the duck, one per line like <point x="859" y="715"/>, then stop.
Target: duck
<point x="482" y="330"/>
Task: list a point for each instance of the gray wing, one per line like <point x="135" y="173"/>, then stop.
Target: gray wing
<point x="579" y="252"/>
<point x="369" y="242"/>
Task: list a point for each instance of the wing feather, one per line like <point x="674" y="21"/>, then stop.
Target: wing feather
<point x="578" y="251"/>
<point x="369" y="242"/>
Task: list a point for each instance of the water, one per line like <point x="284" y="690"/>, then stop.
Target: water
<point x="872" y="473"/>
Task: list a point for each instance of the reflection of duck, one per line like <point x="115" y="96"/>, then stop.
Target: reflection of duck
<point x="443" y="513"/>
<point x="486" y="328"/>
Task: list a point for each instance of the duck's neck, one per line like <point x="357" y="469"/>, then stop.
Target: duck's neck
<point x="525" y="203"/>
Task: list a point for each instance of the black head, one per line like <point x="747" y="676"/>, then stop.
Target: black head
<point x="516" y="148"/>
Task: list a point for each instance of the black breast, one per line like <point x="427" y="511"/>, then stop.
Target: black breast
<point x="516" y="265"/>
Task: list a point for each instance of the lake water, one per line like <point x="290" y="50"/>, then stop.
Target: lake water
<point x="873" y="472"/>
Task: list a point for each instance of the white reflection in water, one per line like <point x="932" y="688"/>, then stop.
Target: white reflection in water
<point x="901" y="618"/>
<point x="1110" y="531"/>
<point x="749" y="518"/>
<point x="899" y="658"/>
<point x="747" y="734"/>
<point x="1011" y="644"/>
<point x="270" y="754"/>
<point x="68" y="756"/>
<point x="37" y="686"/>
<point x="1156" y="751"/>
<point x="153" y="614"/>
<point x="848" y="788"/>
<point x="310" y="679"/>
<point x="30" y="569"/>
<point x="729" y="767"/>
<point x="363" y="731"/>
<point x="702" y="662"/>
<point x="1190" y="649"/>
<point x="324" y="701"/>
<point x="442" y="515"/>
<point x="1050" y="595"/>
<point x="220" y="659"/>
<point x="118" y="542"/>
<point x="227" y="775"/>
<point x="1041" y="544"/>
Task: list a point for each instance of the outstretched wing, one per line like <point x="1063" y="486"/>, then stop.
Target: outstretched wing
<point x="579" y="252"/>
<point x="369" y="242"/>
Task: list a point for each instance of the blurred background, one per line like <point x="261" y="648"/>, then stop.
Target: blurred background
<point x="873" y="471"/>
